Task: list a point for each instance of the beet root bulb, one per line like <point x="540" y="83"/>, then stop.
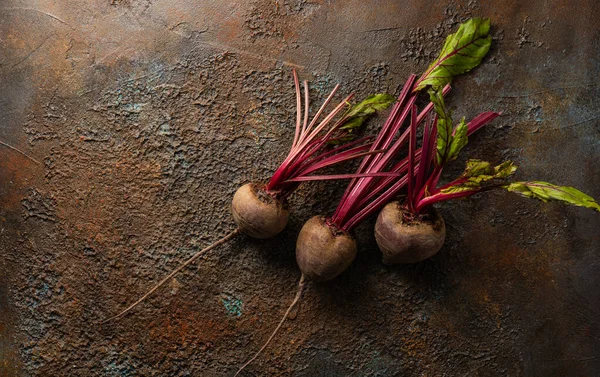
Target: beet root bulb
<point x="412" y="241"/>
<point x="257" y="213"/>
<point x="323" y="251"/>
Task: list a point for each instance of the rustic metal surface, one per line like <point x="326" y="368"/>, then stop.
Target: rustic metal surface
<point x="145" y="116"/>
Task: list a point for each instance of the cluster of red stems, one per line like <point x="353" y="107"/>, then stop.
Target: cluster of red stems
<point x="309" y="152"/>
<point x="418" y="171"/>
<point x="379" y="179"/>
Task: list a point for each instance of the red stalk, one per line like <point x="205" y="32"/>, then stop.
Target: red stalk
<point x="376" y="204"/>
<point x="344" y="146"/>
<point x="326" y="121"/>
<point x="429" y="160"/>
<point x="433" y="133"/>
<point x="380" y="185"/>
<point x="318" y="114"/>
<point x="439" y="197"/>
<point x="364" y="196"/>
<point x="298" y="108"/>
<point x="341" y="176"/>
<point x="306" y="106"/>
<point x="342" y="212"/>
<point x="340" y="157"/>
<point x="481" y="120"/>
<point x="408" y="164"/>
<point x="424" y="165"/>
<point x="474" y="125"/>
<point x="412" y="144"/>
<point x="368" y="207"/>
<point x="303" y="159"/>
<point x="389" y="130"/>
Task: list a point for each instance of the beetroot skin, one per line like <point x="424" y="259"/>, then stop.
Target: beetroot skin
<point x="322" y="251"/>
<point x="257" y="213"/>
<point x="408" y="241"/>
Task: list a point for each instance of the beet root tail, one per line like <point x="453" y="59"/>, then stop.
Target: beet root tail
<point x="301" y="285"/>
<point x="172" y="274"/>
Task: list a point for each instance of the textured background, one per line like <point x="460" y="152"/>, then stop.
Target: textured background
<point x="145" y="116"/>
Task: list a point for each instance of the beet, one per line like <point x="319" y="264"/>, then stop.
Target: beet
<point x="323" y="251"/>
<point x="403" y="240"/>
<point x="257" y="213"/>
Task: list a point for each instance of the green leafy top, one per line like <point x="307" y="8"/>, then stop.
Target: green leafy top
<point x="357" y="114"/>
<point x="481" y="171"/>
<point x="462" y="52"/>
<point x="545" y="191"/>
<point x="477" y="172"/>
<point x="450" y="140"/>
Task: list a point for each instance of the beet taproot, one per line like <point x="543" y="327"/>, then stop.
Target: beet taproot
<point x="403" y="240"/>
<point x="257" y="213"/>
<point x="323" y="251"/>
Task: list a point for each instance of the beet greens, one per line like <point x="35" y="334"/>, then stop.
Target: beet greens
<point x="462" y="52"/>
<point x="478" y="175"/>
<point x="413" y="231"/>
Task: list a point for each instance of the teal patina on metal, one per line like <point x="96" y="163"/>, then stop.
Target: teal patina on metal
<point x="233" y="305"/>
<point x="323" y="83"/>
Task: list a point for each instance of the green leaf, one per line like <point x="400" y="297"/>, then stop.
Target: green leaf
<point x="444" y="126"/>
<point x="353" y="123"/>
<point x="480" y="171"/>
<point x="545" y="191"/>
<point x="459" y="140"/>
<point x="462" y="52"/>
<point x="478" y="167"/>
<point x="505" y="169"/>
<point x="467" y="186"/>
<point x="358" y="113"/>
<point x="477" y="172"/>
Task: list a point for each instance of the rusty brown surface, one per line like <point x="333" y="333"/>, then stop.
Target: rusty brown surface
<point x="146" y="116"/>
